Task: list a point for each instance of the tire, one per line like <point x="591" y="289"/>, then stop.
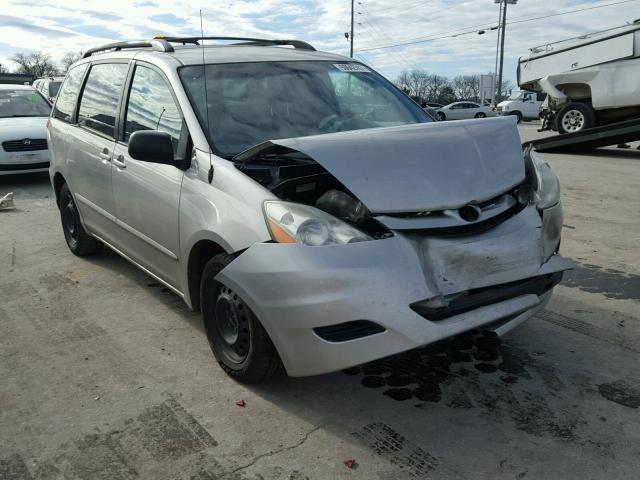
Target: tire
<point x="480" y="115"/>
<point x="575" y="117"/>
<point x="517" y="114"/>
<point x="239" y="342"/>
<point x="78" y="240"/>
<point x="441" y="116"/>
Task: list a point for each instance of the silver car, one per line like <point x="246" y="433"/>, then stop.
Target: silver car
<point x="316" y="216"/>
<point x="464" y="110"/>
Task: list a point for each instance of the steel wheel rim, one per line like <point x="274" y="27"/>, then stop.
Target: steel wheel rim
<point x="573" y="121"/>
<point x="231" y="333"/>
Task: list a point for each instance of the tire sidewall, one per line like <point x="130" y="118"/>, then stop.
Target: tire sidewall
<point x="209" y="289"/>
<point x="66" y="197"/>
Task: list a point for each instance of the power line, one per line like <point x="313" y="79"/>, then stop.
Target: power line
<point x="448" y="34"/>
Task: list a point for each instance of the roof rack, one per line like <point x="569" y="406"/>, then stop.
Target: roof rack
<point x="245" y="41"/>
<point x="163" y="44"/>
<point x="157" y="44"/>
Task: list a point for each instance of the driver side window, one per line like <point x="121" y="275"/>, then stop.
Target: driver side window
<point x="151" y="107"/>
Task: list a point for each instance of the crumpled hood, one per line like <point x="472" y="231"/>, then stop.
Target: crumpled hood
<point x="421" y="167"/>
<point x="17" y="128"/>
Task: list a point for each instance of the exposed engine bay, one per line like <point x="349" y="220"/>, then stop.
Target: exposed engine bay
<point x="294" y="176"/>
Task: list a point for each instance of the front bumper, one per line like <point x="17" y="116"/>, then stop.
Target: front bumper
<point x="294" y="289"/>
<point x="23" y="162"/>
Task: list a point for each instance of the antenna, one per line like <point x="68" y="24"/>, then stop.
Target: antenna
<point x="206" y="99"/>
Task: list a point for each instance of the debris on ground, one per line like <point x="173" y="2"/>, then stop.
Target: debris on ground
<point x="241" y="403"/>
<point x="351" y="463"/>
<point x="7" y="201"/>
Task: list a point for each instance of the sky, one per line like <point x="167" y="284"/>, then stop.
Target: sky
<point x="58" y="26"/>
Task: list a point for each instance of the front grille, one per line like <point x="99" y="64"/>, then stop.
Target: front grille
<point x="23" y="166"/>
<point x="348" y="330"/>
<point x="480" y="297"/>
<point x="25" y="145"/>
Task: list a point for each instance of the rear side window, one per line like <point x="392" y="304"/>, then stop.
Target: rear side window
<point x="151" y="107"/>
<point x="68" y="95"/>
<point x="100" y="96"/>
<point x="54" y="88"/>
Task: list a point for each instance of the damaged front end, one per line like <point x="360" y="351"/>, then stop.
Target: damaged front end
<point x="390" y="239"/>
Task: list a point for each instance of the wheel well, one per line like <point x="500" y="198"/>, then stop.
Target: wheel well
<point x="577" y="92"/>
<point x="58" y="181"/>
<point x="200" y="254"/>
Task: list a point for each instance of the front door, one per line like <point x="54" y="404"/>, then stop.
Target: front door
<point x="146" y="194"/>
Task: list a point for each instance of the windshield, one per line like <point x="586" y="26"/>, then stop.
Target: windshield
<point x="249" y="103"/>
<point x="54" y="88"/>
<point x="515" y="95"/>
<point x="23" y="103"/>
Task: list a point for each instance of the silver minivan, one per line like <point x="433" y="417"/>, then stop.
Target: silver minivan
<point x="316" y="215"/>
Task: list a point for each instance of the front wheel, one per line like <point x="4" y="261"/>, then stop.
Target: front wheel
<point x="239" y="342"/>
<point x="78" y="240"/>
<point x="575" y="117"/>
<point x="480" y="115"/>
<point x="441" y="116"/>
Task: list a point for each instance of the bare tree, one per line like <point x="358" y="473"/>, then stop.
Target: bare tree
<point x="466" y="87"/>
<point x="69" y="59"/>
<point x="37" y="64"/>
<point x="3" y="69"/>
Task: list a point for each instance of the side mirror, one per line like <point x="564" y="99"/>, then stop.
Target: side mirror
<point x="151" y="146"/>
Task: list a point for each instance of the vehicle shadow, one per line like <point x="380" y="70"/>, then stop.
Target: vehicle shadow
<point x="109" y="260"/>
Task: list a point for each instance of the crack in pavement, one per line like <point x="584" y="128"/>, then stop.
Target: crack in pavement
<point x="274" y="452"/>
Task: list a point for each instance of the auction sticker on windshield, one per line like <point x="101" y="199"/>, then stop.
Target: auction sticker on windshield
<point x="351" y="67"/>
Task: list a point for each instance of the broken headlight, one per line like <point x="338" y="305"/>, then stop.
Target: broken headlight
<point x="546" y="196"/>
<point x="547" y="185"/>
<point x="297" y="223"/>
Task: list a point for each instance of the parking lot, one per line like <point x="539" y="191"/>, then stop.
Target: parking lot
<point x="105" y="374"/>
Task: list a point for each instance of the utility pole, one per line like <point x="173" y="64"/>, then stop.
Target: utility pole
<point x="504" y="29"/>
<point x="351" y="33"/>
<point x="495" y="67"/>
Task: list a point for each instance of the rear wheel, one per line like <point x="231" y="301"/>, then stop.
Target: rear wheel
<point x="239" y="342"/>
<point x="78" y="240"/>
<point x="575" y="117"/>
<point x="441" y="116"/>
<point x="480" y="115"/>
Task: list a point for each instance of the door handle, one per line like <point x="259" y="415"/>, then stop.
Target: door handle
<point x="104" y="155"/>
<point x="119" y="162"/>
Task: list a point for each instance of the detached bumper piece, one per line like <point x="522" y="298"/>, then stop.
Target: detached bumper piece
<point x="456" y="304"/>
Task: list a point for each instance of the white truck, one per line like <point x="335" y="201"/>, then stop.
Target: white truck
<point x="523" y="104"/>
<point x="589" y="80"/>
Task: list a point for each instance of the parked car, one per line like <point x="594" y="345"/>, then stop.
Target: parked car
<point x="23" y="134"/>
<point x="463" y="110"/>
<point x="48" y="86"/>
<point x="315" y="215"/>
<point x="432" y="105"/>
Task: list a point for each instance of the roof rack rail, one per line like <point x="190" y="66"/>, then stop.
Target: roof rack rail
<point x="245" y="41"/>
<point x="157" y="44"/>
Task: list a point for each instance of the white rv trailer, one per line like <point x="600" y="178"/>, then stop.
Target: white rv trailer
<point x="589" y="80"/>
